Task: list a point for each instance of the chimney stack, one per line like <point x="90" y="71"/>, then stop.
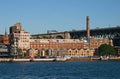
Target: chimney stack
<point x="88" y="26"/>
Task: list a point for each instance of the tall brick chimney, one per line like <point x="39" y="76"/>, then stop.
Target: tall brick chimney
<point x="88" y="26"/>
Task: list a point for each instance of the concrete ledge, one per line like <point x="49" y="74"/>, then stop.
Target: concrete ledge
<point x="4" y="59"/>
<point x="20" y="60"/>
<point x="43" y="60"/>
<point x="54" y="59"/>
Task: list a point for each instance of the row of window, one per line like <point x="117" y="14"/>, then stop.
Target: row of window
<point x="18" y="35"/>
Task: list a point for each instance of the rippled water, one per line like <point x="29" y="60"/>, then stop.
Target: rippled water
<point x="61" y="70"/>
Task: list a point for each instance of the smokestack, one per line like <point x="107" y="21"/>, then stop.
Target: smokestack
<point x="88" y="26"/>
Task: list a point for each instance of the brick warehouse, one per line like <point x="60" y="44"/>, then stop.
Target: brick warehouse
<point x="67" y="47"/>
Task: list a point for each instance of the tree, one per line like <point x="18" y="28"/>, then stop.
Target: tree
<point x="106" y="50"/>
<point x="20" y="51"/>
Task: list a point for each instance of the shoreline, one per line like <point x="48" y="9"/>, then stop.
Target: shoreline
<point x="55" y="59"/>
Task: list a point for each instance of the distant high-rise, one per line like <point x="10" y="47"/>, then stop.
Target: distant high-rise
<point x="6" y="34"/>
<point x="6" y="38"/>
<point x="88" y="26"/>
<point x="16" y="27"/>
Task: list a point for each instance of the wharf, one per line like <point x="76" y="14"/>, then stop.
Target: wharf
<point x="43" y="60"/>
<point x="33" y="60"/>
<point x="93" y="59"/>
<point x="19" y="60"/>
<point x="53" y="59"/>
<point x="4" y="59"/>
<point x="30" y="60"/>
<point x="80" y="59"/>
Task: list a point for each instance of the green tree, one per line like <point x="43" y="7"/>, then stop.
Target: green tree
<point x="20" y="52"/>
<point x="106" y="50"/>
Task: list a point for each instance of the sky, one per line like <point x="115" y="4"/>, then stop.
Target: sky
<point x="38" y="16"/>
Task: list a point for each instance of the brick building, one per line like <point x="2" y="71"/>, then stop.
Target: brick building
<point x="96" y="42"/>
<point x="67" y="47"/>
<point x="60" y="47"/>
<point x="57" y="44"/>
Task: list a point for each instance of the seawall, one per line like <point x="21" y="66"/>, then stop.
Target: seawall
<point x="55" y="60"/>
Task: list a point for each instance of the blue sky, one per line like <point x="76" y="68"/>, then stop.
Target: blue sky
<point x="38" y="16"/>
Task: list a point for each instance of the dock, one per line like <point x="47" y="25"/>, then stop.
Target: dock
<point x="31" y="60"/>
<point x="53" y="59"/>
<point x="43" y="60"/>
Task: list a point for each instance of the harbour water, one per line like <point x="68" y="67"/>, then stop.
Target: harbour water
<point x="60" y="70"/>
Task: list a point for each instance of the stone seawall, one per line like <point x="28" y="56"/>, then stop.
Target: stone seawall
<point x="93" y="59"/>
<point x="4" y="59"/>
<point x="54" y="59"/>
<point x="79" y="59"/>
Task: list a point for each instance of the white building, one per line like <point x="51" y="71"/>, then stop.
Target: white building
<point x="21" y="39"/>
